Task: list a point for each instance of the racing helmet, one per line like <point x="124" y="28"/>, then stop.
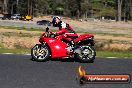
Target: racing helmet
<point x="58" y="17"/>
<point x="54" y="20"/>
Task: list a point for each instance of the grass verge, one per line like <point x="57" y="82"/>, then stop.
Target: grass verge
<point x="27" y="29"/>
<point x="121" y="54"/>
<point x="15" y="51"/>
<point x="9" y="34"/>
<point x="23" y="28"/>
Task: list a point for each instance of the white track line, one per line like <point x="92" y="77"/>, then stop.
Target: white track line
<point x="112" y="57"/>
<point x="27" y="54"/>
<point x="13" y="53"/>
<point x="7" y="53"/>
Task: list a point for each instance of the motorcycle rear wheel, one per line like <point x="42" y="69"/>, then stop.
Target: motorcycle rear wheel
<point x="40" y="53"/>
<point x="87" y="54"/>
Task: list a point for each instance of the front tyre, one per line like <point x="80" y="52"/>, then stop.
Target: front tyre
<point x="40" y="53"/>
<point x="87" y="54"/>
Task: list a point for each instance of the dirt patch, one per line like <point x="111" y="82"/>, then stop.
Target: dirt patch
<point x="107" y="37"/>
<point x="116" y="47"/>
<point x="18" y="42"/>
<point x="11" y="42"/>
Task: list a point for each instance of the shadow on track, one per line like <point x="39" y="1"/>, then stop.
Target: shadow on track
<point x="62" y="60"/>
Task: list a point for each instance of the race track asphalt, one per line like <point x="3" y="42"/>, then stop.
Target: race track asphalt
<point x="18" y="71"/>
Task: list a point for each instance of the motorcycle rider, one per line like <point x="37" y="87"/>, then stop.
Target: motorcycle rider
<point x="65" y="31"/>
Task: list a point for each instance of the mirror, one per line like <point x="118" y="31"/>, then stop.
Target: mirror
<point x="47" y="29"/>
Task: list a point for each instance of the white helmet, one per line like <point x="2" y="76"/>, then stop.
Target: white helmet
<point x="58" y="17"/>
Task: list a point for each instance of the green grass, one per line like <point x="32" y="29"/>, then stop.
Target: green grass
<point x="1" y="46"/>
<point x="9" y="34"/>
<point x="114" y="54"/>
<point x="26" y="29"/>
<point x="15" y="51"/>
<point x="22" y="28"/>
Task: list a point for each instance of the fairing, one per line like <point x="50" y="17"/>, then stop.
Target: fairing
<point x="57" y="47"/>
<point x="82" y="37"/>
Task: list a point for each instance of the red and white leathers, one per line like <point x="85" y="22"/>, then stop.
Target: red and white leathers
<point x="65" y="32"/>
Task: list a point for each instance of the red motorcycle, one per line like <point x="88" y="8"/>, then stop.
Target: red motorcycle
<point x="52" y="47"/>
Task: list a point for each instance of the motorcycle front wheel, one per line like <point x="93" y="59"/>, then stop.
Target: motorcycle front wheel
<point x="40" y="53"/>
<point x="86" y="55"/>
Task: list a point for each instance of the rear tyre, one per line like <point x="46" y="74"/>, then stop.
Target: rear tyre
<point x="87" y="54"/>
<point x="40" y="53"/>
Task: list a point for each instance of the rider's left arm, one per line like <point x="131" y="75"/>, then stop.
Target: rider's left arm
<point x="61" y="31"/>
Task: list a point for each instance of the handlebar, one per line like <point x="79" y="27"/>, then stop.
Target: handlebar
<point x="49" y="34"/>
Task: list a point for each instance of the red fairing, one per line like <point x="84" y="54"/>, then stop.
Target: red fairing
<point x="71" y="34"/>
<point x="84" y="36"/>
<point x="61" y="31"/>
<point x="58" y="48"/>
